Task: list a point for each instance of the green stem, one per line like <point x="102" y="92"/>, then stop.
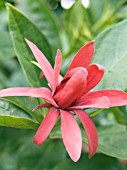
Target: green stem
<point x="96" y="112"/>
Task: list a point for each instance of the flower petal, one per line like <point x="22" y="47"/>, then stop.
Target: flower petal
<point x="73" y="71"/>
<point x="90" y="131"/>
<point x="98" y="102"/>
<point x="46" y="126"/>
<point x="45" y="105"/>
<point x="71" y="135"/>
<point x="58" y="63"/>
<point x="95" y="74"/>
<point x="67" y="77"/>
<point x="43" y="62"/>
<point x="72" y="91"/>
<point x="83" y="56"/>
<point x="67" y="4"/>
<point x="116" y="97"/>
<point x="43" y="93"/>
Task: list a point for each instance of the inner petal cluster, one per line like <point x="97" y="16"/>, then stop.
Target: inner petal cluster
<point x="71" y="88"/>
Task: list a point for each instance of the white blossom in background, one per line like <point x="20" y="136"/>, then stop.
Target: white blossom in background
<point x="86" y="3"/>
<point x="66" y="4"/>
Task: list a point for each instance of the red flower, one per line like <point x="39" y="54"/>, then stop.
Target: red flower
<point x="68" y="95"/>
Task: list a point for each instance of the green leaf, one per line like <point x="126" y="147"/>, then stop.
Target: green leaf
<point x="20" y="105"/>
<point x="17" y="147"/>
<point x="11" y="141"/>
<point x="6" y="46"/>
<point x="120" y="114"/>
<point x="47" y="156"/>
<point x="85" y="163"/>
<point x="73" y="27"/>
<point x="40" y="13"/>
<point x="111" y="52"/>
<point x="16" y="122"/>
<point x="113" y="140"/>
<point x="3" y="79"/>
<point x="12" y="116"/>
<point x="21" y="27"/>
<point x="23" y="154"/>
<point x="96" y="9"/>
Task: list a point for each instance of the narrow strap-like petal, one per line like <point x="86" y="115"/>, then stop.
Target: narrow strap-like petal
<point x="98" y="102"/>
<point x="43" y="93"/>
<point x="43" y="62"/>
<point x="57" y="67"/>
<point x="71" y="135"/>
<point x="95" y="74"/>
<point x="46" y="126"/>
<point x="73" y="90"/>
<point x="45" y="105"/>
<point x="83" y="56"/>
<point x="116" y="97"/>
<point x="90" y="131"/>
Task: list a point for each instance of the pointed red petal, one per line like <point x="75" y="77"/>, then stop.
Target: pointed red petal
<point x="46" y="126"/>
<point x="83" y="56"/>
<point x="116" y="97"/>
<point x="98" y="102"/>
<point x="95" y="74"/>
<point x="45" y="105"/>
<point x="73" y="90"/>
<point x="58" y="63"/>
<point x="43" y="93"/>
<point x="90" y="131"/>
<point x="71" y="135"/>
<point x="42" y="61"/>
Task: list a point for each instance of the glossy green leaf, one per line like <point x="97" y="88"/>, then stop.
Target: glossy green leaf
<point x="21" y="27"/>
<point x="111" y="52"/>
<point x="12" y="116"/>
<point x="40" y="13"/>
<point x="113" y="141"/>
<point x="98" y="162"/>
<point x="16" y="122"/>
<point x="6" y="46"/>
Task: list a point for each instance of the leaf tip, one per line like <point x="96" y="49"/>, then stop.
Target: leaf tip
<point x="8" y="5"/>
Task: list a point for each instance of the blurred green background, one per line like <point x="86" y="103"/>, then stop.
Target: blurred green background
<point x="67" y="29"/>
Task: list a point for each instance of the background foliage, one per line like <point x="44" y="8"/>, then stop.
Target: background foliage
<point x="50" y="27"/>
